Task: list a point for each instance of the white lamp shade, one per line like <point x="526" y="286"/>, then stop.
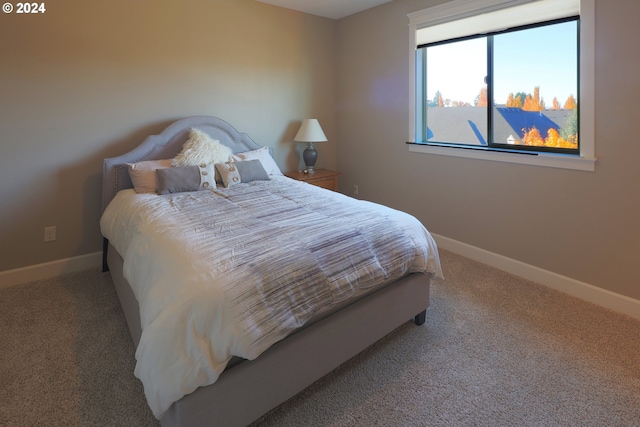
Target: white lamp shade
<point x="310" y="131"/>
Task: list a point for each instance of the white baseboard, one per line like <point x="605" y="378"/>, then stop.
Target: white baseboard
<point x="567" y="285"/>
<point x="49" y="269"/>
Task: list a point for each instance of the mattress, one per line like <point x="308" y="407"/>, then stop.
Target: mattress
<point x="231" y="271"/>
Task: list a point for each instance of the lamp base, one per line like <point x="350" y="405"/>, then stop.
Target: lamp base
<point x="310" y="155"/>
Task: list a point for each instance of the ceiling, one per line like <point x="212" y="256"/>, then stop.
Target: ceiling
<point x="334" y="9"/>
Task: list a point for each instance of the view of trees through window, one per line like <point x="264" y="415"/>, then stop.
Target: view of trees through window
<point x="534" y="89"/>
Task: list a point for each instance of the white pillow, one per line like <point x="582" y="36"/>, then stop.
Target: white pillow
<point x="262" y="154"/>
<point x="201" y="149"/>
<point x="143" y="174"/>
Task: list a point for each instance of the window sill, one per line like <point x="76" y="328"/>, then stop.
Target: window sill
<point x="550" y="160"/>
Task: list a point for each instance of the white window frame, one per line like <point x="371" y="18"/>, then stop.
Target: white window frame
<point x="458" y="9"/>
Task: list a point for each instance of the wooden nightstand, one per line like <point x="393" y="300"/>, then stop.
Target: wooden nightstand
<point x="322" y="178"/>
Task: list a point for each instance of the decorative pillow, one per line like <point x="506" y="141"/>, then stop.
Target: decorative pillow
<point x="233" y="173"/>
<point x="262" y="154"/>
<point x="143" y="174"/>
<point x="186" y="178"/>
<point x="201" y="149"/>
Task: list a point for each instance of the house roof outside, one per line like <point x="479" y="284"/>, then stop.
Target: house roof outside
<point x="467" y="125"/>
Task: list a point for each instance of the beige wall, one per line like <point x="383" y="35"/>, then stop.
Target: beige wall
<point x="90" y="79"/>
<point x="584" y="225"/>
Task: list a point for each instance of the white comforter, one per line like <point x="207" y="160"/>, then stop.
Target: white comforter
<point x="230" y="272"/>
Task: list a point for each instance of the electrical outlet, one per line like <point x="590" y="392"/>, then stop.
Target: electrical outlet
<point x="355" y="189"/>
<point x="50" y="234"/>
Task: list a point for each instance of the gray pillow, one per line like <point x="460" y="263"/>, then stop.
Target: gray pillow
<point x="177" y="180"/>
<point x="233" y="173"/>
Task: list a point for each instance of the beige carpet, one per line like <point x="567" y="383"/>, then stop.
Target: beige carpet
<point x="496" y="350"/>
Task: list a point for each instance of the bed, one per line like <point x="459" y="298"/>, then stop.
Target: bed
<point x="259" y="379"/>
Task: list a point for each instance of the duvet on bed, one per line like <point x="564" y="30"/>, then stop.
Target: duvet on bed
<point x="231" y="271"/>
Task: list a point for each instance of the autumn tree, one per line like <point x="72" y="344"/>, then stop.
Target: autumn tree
<point x="514" y="101"/>
<point x="482" y="98"/>
<point x="534" y="102"/>
<point x="553" y="138"/>
<point x="510" y="100"/>
<point x="570" y="104"/>
<point x="532" y="137"/>
<point x="556" y="104"/>
<point x="520" y="96"/>
<point x="528" y="104"/>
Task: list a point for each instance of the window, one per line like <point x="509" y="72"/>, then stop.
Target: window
<point x="514" y="85"/>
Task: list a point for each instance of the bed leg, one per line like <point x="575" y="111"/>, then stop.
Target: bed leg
<point x="420" y="318"/>
<point x="105" y="246"/>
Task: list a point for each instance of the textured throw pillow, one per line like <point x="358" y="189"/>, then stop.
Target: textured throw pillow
<point x="143" y="174"/>
<point x="233" y="173"/>
<point x="201" y="149"/>
<point x="187" y="178"/>
<point x="261" y="154"/>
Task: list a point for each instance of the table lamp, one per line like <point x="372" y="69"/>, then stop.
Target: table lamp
<point x="310" y="132"/>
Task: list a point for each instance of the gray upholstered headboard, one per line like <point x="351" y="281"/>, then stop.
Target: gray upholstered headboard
<point x="167" y="145"/>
